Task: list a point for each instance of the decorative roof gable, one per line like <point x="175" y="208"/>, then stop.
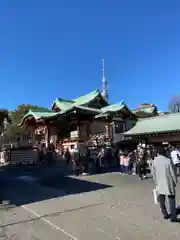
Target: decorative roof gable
<point x="37" y="115"/>
<point x="86" y="99"/>
<point x="63" y="104"/>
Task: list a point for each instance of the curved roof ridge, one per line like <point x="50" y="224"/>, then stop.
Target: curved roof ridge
<point x="92" y="92"/>
<point x="41" y="110"/>
<point x="38" y="115"/>
<point x="64" y="100"/>
<point x="120" y="104"/>
<point x="87" y="98"/>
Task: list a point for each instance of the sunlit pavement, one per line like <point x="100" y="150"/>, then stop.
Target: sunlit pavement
<point x="117" y="207"/>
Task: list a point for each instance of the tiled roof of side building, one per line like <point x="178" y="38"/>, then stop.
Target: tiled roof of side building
<point x="157" y="124"/>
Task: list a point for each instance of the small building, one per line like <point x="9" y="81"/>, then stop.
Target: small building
<point x="161" y="128"/>
<point x="146" y="110"/>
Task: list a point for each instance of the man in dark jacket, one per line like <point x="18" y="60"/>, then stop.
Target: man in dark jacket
<point x="141" y="161"/>
<point x="67" y="156"/>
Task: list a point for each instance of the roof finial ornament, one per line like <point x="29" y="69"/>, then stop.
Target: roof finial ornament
<point x="104" y="83"/>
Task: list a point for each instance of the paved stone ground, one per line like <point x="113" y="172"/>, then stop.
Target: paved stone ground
<point x="121" y="209"/>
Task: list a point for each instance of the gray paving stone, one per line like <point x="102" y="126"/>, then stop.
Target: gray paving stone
<point x="124" y="211"/>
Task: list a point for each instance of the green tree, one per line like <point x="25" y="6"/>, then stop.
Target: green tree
<point x="4" y="114"/>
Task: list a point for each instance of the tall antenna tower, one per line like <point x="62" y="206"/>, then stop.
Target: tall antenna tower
<point x="104" y="83"/>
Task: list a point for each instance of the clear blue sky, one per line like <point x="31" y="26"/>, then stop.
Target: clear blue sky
<point x="53" y="48"/>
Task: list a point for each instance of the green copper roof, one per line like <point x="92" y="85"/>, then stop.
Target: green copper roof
<point x="146" y="110"/>
<point x="88" y="97"/>
<point x="42" y="113"/>
<point x="47" y="114"/>
<point x="113" y="107"/>
<point x="95" y="110"/>
<point x="158" y="124"/>
<point x="78" y="103"/>
<point x="68" y="104"/>
<point x="149" y="110"/>
<point x="39" y="115"/>
<point x="63" y="104"/>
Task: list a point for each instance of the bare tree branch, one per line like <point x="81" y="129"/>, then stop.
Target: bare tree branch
<point x="174" y="104"/>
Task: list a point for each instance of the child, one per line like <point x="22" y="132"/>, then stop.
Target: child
<point x="121" y="161"/>
<point x="126" y="163"/>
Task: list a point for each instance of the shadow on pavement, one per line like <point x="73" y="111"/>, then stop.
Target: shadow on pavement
<point x="48" y="215"/>
<point x="25" y="186"/>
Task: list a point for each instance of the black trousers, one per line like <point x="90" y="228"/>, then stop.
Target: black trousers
<point x="84" y="163"/>
<point x="76" y="169"/>
<point x="85" y="167"/>
<point x="177" y="166"/>
<point x="141" y="169"/>
<point x="172" y="206"/>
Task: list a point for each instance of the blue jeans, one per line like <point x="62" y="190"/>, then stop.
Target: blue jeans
<point x="121" y="168"/>
<point x="126" y="169"/>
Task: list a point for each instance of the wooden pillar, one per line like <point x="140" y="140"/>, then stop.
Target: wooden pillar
<point x="79" y="129"/>
<point x="53" y="133"/>
<point x="33" y="137"/>
<point x="83" y="131"/>
<point x="112" y="131"/>
<point x="21" y="134"/>
<point x="108" y="128"/>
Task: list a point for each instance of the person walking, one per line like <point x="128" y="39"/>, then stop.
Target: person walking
<point x="165" y="181"/>
<point x="67" y="156"/>
<point x="121" y="161"/>
<point x="85" y="160"/>
<point x="141" y="162"/>
<point x="126" y="163"/>
<point x="75" y="156"/>
<point x="132" y="164"/>
<point x="175" y="156"/>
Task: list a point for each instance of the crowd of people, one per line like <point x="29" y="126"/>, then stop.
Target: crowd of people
<point x="139" y="161"/>
<point x="136" y="162"/>
<point x="162" y="161"/>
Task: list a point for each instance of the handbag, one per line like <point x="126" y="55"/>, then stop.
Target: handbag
<point x="155" y="195"/>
